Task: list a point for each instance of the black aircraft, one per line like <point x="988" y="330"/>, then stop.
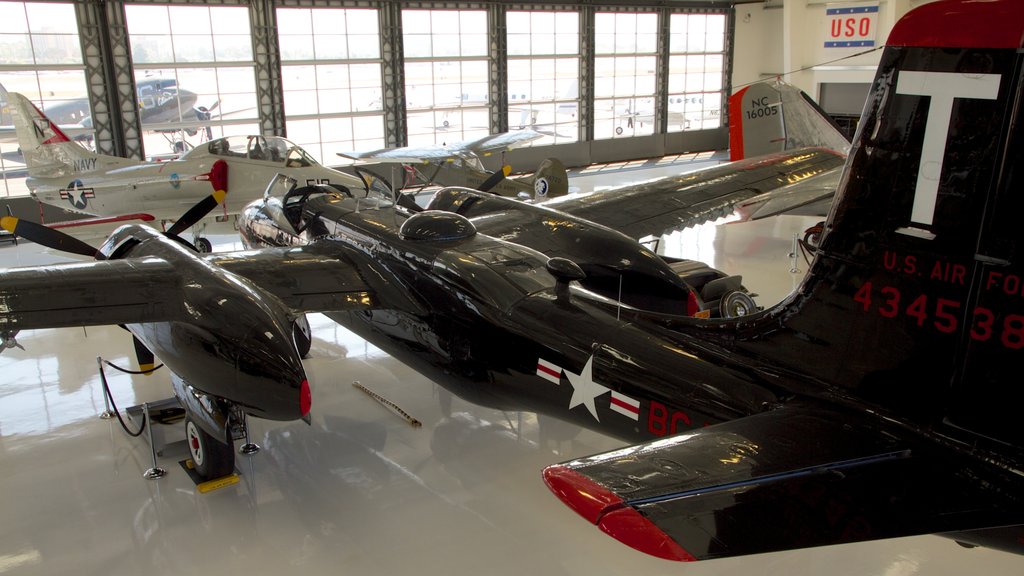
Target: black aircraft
<point x="160" y="101"/>
<point x="876" y="401"/>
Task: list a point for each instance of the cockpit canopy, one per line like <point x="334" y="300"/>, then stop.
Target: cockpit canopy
<point x="264" y="148"/>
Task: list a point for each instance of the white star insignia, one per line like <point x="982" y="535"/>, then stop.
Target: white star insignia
<point x="584" y="389"/>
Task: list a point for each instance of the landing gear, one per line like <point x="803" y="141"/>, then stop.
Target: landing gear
<point x="203" y="245"/>
<point x="736" y="304"/>
<point x="302" y="335"/>
<point x="212" y="457"/>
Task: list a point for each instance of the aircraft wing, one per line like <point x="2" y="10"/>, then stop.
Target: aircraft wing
<point x="693" y="198"/>
<point x="138" y="290"/>
<point x="407" y="155"/>
<point x="790" y="478"/>
<point x="813" y="190"/>
<point x="90" y="294"/>
<point x="316" y="278"/>
<point x="416" y="154"/>
<point x="498" y="142"/>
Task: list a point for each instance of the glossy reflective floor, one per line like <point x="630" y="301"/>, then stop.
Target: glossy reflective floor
<point x="361" y="491"/>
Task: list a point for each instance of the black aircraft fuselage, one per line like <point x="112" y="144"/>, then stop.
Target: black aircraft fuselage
<point x="486" y="318"/>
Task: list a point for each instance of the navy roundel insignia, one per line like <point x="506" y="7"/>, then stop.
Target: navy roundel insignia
<point x="540" y="188"/>
<point x="77" y="194"/>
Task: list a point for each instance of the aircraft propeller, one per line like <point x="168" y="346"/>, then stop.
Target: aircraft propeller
<point x="406" y="201"/>
<point x="219" y="180"/>
<point x="495" y="178"/>
<point x="57" y="240"/>
<point x="144" y="356"/>
<point x="48" y="237"/>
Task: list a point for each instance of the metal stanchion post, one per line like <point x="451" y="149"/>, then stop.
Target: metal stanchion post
<point x="250" y="447"/>
<point x="107" y="413"/>
<point x="794" y="253"/>
<point x="155" y="471"/>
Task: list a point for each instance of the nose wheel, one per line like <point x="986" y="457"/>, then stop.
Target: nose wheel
<point x="211" y="458"/>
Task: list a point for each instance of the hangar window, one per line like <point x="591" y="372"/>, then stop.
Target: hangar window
<point x="446" y="75"/>
<point x="625" y="71"/>
<point x="41" y="58"/>
<point x="194" y="74"/>
<point x="331" y="72"/>
<point x="544" y="74"/>
<point x="696" y="68"/>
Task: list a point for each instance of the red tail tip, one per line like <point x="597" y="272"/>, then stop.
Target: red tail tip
<point x="305" y="398"/>
<point x="602" y="507"/>
<point x="58" y="135"/>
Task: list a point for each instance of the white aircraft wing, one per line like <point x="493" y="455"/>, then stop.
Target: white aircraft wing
<point x="812" y="190"/>
<point x="416" y="154"/>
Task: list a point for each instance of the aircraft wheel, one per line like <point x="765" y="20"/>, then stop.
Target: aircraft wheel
<point x="736" y="304"/>
<point x="203" y="245"/>
<point x="618" y="130"/>
<point x="302" y="336"/>
<point x="211" y="457"/>
<point x="812" y="236"/>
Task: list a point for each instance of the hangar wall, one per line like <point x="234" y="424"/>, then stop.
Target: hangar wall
<point x="782" y="36"/>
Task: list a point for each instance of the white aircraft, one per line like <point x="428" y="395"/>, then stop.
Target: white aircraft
<point x="62" y="173"/>
<point x="459" y="164"/>
<point x="770" y="117"/>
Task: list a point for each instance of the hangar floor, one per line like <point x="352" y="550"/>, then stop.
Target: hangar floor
<point x="360" y="491"/>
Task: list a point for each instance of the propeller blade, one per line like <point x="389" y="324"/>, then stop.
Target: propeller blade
<point x="493" y="180"/>
<point x="48" y="237"/>
<point x="144" y="357"/>
<point x="406" y="201"/>
<point x="219" y="179"/>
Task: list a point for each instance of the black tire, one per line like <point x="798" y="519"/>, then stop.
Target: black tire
<point x="203" y="245"/>
<point x="736" y="304"/>
<point x="211" y="458"/>
<point x="618" y="130"/>
<point x="302" y="336"/>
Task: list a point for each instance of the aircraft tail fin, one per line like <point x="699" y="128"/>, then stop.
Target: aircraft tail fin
<point x="773" y="116"/>
<point x="911" y="314"/>
<point x="917" y="287"/>
<point x="47" y="150"/>
<point x="551" y="180"/>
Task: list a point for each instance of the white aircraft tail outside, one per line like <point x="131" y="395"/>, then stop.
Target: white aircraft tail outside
<point x="48" y="152"/>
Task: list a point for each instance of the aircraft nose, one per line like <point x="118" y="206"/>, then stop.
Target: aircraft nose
<point x="271" y="372"/>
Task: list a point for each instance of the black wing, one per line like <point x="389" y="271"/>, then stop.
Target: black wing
<point x="785" y="479"/>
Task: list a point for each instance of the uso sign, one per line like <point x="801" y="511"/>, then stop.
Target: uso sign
<point x="850" y="27"/>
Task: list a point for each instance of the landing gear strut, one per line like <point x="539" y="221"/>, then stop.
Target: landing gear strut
<point x="201" y="243"/>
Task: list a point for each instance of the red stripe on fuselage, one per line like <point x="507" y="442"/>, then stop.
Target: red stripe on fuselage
<point x="626" y="405"/>
<point x="549" y="371"/>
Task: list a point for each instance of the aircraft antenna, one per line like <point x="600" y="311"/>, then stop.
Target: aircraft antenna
<point x="618" y="307"/>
